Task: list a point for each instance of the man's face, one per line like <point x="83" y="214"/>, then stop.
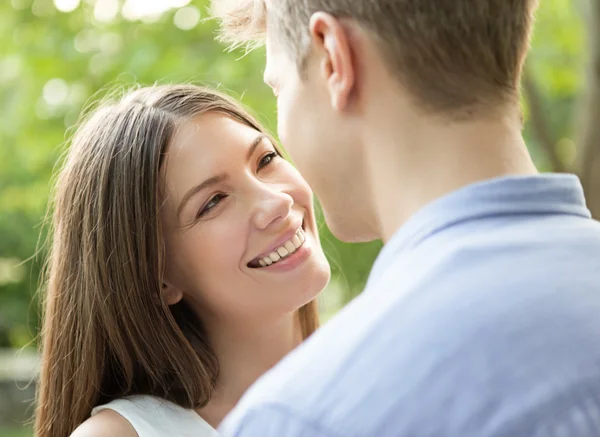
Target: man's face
<point x="318" y="137"/>
<point x="298" y="105"/>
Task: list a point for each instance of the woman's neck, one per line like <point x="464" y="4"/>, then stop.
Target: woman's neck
<point x="244" y="354"/>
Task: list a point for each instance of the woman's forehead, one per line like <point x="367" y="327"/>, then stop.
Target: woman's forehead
<point x="210" y="134"/>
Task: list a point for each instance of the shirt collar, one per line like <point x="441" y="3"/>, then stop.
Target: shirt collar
<point x="541" y="194"/>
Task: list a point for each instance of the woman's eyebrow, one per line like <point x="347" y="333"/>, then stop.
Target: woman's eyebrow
<point x="253" y="145"/>
<point x="195" y="190"/>
<point x="216" y="179"/>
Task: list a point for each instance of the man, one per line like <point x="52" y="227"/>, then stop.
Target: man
<point x="481" y="316"/>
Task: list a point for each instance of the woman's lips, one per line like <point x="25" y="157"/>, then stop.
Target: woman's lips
<point x="286" y="247"/>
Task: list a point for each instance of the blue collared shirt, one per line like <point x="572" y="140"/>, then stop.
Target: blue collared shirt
<point x="481" y="318"/>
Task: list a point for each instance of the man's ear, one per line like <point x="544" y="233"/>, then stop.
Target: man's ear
<point x="330" y="40"/>
<point x="171" y="294"/>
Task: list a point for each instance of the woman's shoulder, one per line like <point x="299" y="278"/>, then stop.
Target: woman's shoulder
<point x="144" y="416"/>
<point x="105" y="422"/>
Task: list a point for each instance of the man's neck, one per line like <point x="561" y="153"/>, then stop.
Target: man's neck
<point x="411" y="162"/>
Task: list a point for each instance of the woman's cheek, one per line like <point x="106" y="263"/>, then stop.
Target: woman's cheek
<point x="222" y="246"/>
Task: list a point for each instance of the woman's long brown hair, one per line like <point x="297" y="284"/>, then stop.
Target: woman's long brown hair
<point x="106" y="331"/>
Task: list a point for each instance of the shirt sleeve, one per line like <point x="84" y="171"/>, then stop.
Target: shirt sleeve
<point x="270" y="421"/>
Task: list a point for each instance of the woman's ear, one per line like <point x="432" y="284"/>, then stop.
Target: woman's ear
<point x="171" y="294"/>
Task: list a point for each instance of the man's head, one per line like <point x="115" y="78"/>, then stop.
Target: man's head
<point x="336" y="66"/>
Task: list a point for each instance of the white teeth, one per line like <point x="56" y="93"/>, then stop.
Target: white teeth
<point x="286" y="249"/>
<point x="282" y="251"/>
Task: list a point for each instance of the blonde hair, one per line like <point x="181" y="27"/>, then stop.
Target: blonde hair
<point x="452" y="55"/>
<point x="106" y="331"/>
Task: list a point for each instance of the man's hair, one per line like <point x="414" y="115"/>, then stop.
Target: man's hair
<point x="453" y="55"/>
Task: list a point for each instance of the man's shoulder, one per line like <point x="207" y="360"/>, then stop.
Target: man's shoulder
<point x="324" y="355"/>
<point x="433" y="327"/>
<point x="316" y="379"/>
<point x="382" y="327"/>
<point x="339" y="379"/>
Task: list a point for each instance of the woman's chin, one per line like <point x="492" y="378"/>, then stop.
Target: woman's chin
<point x="319" y="279"/>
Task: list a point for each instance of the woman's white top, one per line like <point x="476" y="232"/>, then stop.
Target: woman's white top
<point x="154" y="417"/>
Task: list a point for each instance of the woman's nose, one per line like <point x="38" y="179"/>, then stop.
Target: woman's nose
<point x="271" y="207"/>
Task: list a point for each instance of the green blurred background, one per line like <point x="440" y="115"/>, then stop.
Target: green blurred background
<point x="58" y="55"/>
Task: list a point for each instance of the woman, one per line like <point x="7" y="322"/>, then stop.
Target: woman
<point x="184" y="264"/>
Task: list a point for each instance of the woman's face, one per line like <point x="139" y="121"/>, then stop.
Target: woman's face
<point x="239" y="224"/>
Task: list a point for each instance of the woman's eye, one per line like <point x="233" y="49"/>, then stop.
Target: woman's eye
<point x="267" y="159"/>
<point x="214" y="201"/>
